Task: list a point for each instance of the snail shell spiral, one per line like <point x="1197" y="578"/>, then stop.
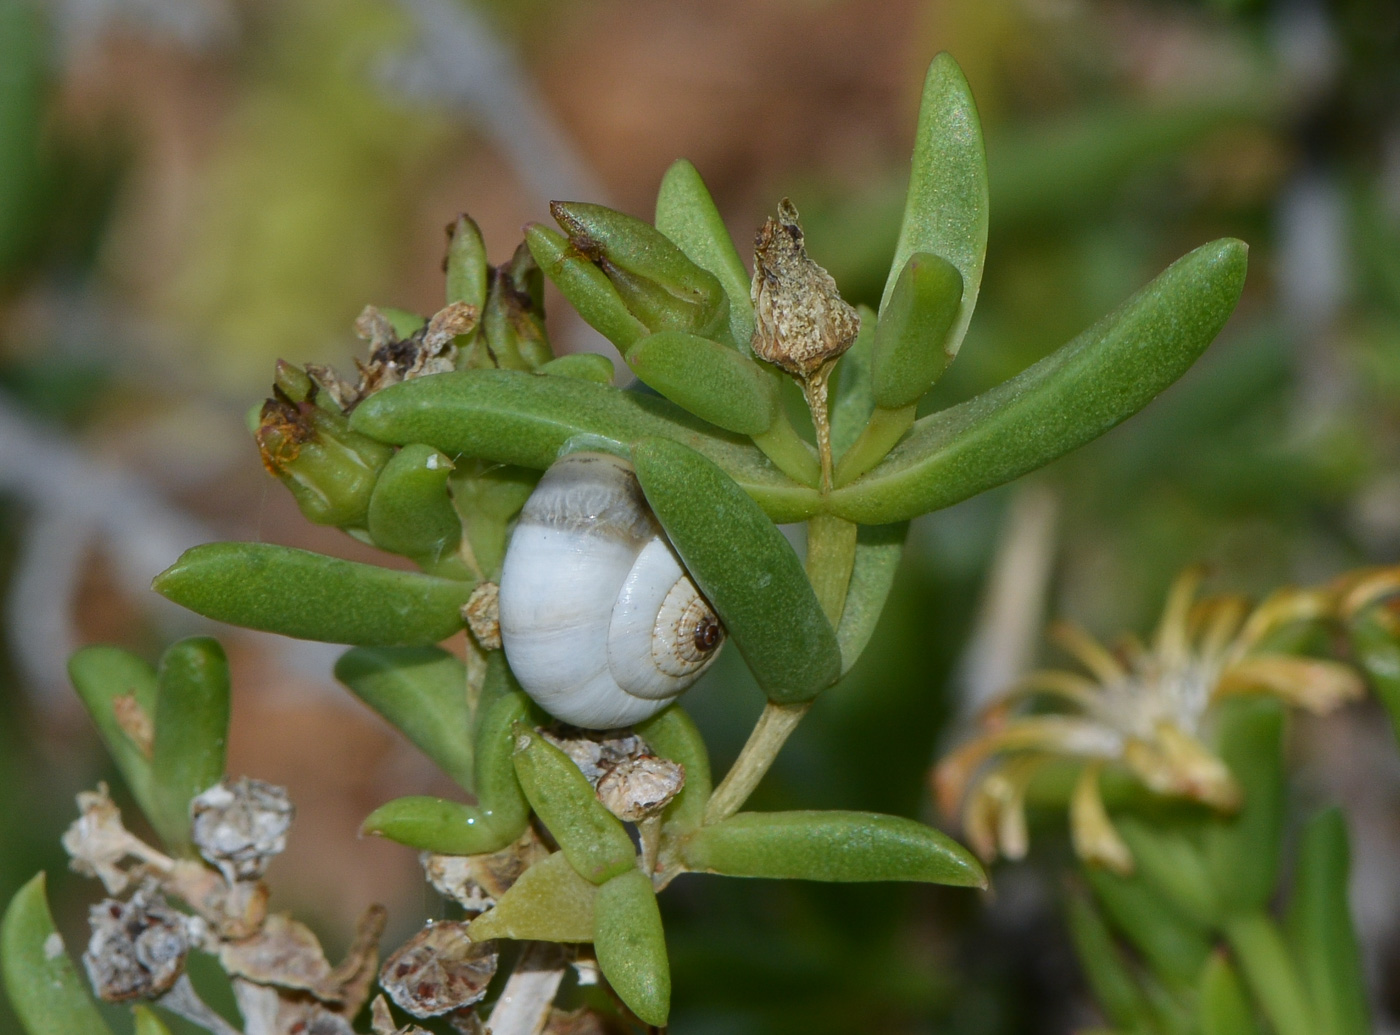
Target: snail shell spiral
<point x="599" y="620"/>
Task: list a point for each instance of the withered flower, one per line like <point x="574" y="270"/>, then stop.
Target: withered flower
<point x="137" y="949"/>
<point x="1145" y="709"/>
<point x="439" y="970"/>
<point x="240" y="825"/>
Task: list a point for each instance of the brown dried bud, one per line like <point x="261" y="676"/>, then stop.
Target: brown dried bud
<point x="482" y="612"/>
<point x="239" y="826"/>
<point x="630" y="781"/>
<point x="477" y="881"/>
<point x="137" y="949"/>
<point x="438" y="970"/>
<point x="640" y="787"/>
<point x="802" y="323"/>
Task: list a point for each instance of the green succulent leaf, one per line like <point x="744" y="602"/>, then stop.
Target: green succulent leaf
<point x="910" y="351"/>
<point x="1242" y="851"/>
<point x="655" y="279"/>
<point x="852" y="399"/>
<point x="1377" y="649"/>
<point x="411" y="514"/>
<point x="744" y="566"/>
<point x="313" y="597"/>
<point x="101" y="675"/>
<point x="191" y="733"/>
<point x="1168" y="860"/>
<point x="586" y="287"/>
<point x="591" y="838"/>
<point x="1099" y="379"/>
<point x="631" y="945"/>
<point x="686" y="213"/>
<point x="1271" y="973"/>
<point x="1173" y="946"/>
<point x="549" y="903"/>
<point x="672" y="734"/>
<point x="466" y="263"/>
<point x="487" y="497"/>
<point x="945" y="212"/>
<point x="878" y="550"/>
<point x="41" y="983"/>
<point x="831" y="846"/>
<point x="146" y="1022"/>
<point x="436" y="825"/>
<point x="512" y="324"/>
<point x="1225" y="1008"/>
<point x="712" y="381"/>
<point x="1110" y="977"/>
<point x="1320" y="928"/>
<point x="581" y="366"/>
<point x="422" y="692"/>
<point x="514" y="418"/>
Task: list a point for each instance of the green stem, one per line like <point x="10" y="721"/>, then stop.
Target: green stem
<point x="769" y="734"/>
<point x="784" y="446"/>
<point x="884" y="429"/>
<point x="831" y="556"/>
<point x="1270" y="973"/>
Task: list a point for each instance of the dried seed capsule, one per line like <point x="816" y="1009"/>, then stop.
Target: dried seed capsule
<point x="438" y="970"/>
<point x="240" y="826"/>
<point x="137" y="949"/>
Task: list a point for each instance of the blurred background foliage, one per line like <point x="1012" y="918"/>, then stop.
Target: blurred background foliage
<point x="191" y="190"/>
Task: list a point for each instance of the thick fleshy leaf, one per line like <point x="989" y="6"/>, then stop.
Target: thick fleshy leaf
<point x="1224" y="1008"/>
<point x="1242" y="851"/>
<point x="1377" y="650"/>
<point x="852" y="400"/>
<point x="314" y="597"/>
<point x="1167" y="860"/>
<point x="450" y="827"/>
<point x="549" y="903"/>
<point x="1099" y="379"/>
<point x="712" y="381"/>
<point x="1174" y="946"/>
<point x="1109" y="975"/>
<point x="654" y="278"/>
<point x="422" y="691"/>
<point x="686" y="213"/>
<point x="517" y="418"/>
<point x="673" y="735"/>
<point x="744" y="566"/>
<point x="110" y="682"/>
<point x="191" y="732"/>
<point x="466" y="263"/>
<point x="945" y="212"/>
<point x="878" y="550"/>
<point x="1271" y="972"/>
<point x="910" y="350"/>
<point x="631" y="945"/>
<point x="41" y="983"/>
<point x="1321" y="931"/>
<point x="585" y="286"/>
<point x="831" y="846"/>
<point x="592" y="838"/>
<point x="146" y="1022"/>
<point x="581" y="366"/>
<point x="410" y="512"/>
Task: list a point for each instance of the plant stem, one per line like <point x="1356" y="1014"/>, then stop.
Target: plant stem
<point x="764" y="743"/>
<point x="815" y="389"/>
<point x="884" y="429"/>
<point x="831" y="556"/>
<point x="790" y="454"/>
<point x="1270" y="973"/>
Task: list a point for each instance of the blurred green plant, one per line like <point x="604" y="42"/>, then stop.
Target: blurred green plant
<point x="432" y="453"/>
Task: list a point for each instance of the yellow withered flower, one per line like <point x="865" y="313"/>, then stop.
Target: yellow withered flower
<point x="1144" y="708"/>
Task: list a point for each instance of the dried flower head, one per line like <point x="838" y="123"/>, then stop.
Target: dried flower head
<point x="240" y="825"/>
<point x="97" y="842"/>
<point x="630" y="780"/>
<point x="476" y="882"/>
<point x="432" y="349"/>
<point x="137" y="949"/>
<point x="1145" y="709"/>
<point x="802" y="323"/>
<point x="438" y="970"/>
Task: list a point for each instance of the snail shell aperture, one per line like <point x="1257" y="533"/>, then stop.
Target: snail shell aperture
<point x="599" y="620"/>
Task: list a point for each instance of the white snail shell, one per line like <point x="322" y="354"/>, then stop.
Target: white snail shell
<point x="599" y="620"/>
